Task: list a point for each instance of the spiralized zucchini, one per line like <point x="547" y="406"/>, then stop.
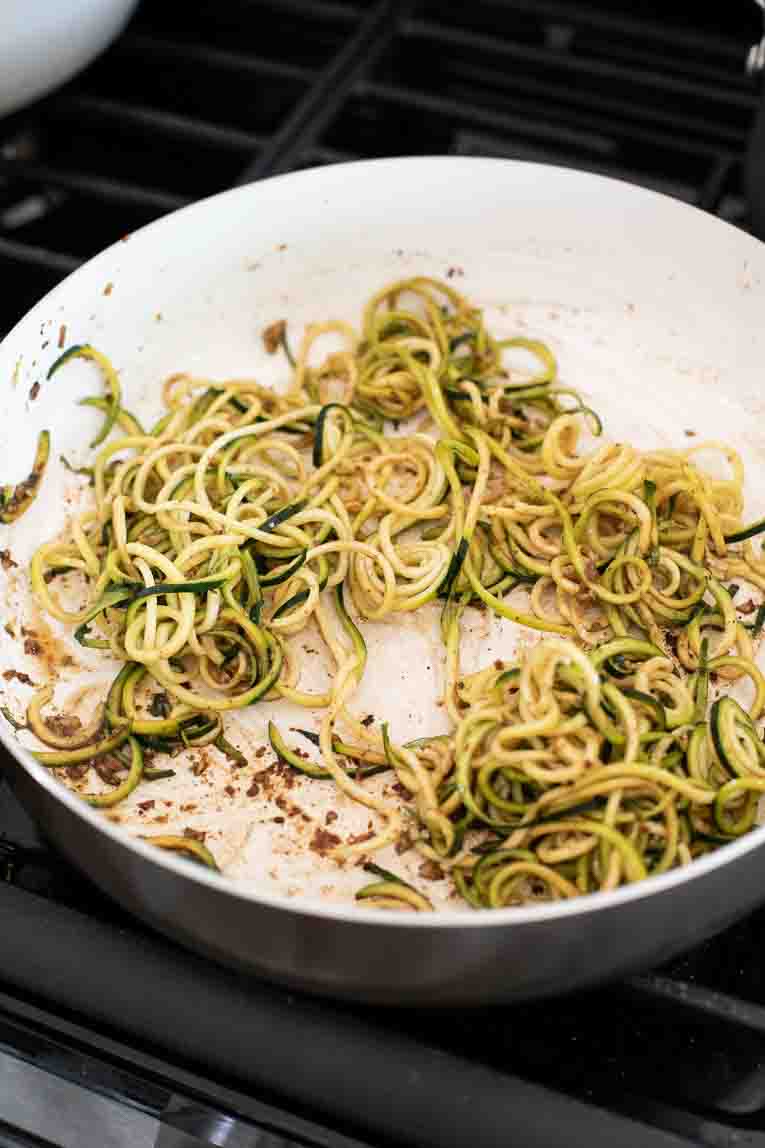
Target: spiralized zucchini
<point x="242" y="515"/>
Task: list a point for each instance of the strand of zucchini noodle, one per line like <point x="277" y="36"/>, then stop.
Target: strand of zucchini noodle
<point x="232" y="523"/>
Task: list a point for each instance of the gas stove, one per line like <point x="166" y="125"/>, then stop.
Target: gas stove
<point x="112" y="1037"/>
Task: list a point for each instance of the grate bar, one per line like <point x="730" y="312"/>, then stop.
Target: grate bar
<point x="322" y="153"/>
<point x="473" y="143"/>
<point x="597" y="142"/>
<point x="597" y="139"/>
<point x="715" y="186"/>
<point x="555" y="95"/>
<point x="115" y="191"/>
<point x="327" y="10"/>
<point x="631" y="25"/>
<point x="26" y="253"/>
<point x="154" y="119"/>
<point x="321" y="103"/>
<point x="702" y="1000"/>
<point x="576" y="65"/>
<point x="151" y="48"/>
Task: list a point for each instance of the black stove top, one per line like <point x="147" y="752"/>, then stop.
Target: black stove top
<point x="111" y="1037"/>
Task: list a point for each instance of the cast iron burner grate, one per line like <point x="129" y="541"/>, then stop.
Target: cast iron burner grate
<point x="195" y="98"/>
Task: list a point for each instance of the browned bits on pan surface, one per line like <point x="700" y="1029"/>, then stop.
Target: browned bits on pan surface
<point x="203" y="762"/>
<point x="62" y="335"/>
<point x="273" y="335"/>
<point x="64" y="725"/>
<point x="25" y="679"/>
<point x="359" y="838"/>
<point x="286" y="806"/>
<point x="43" y="643"/>
<point x="431" y="871"/>
<point x="7" y="561"/>
<point x="194" y="834"/>
<point x="331" y="816"/>
<point x="109" y="770"/>
<point x="323" y="841"/>
<point x="285" y="773"/>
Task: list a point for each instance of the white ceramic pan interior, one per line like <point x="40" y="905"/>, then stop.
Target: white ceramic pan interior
<point x="654" y="311"/>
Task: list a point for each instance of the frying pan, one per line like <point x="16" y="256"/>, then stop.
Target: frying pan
<point x="654" y="311"/>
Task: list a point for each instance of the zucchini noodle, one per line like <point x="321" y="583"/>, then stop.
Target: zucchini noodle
<point x="243" y="515"/>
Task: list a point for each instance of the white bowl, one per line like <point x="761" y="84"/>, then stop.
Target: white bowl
<point x="43" y="43"/>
